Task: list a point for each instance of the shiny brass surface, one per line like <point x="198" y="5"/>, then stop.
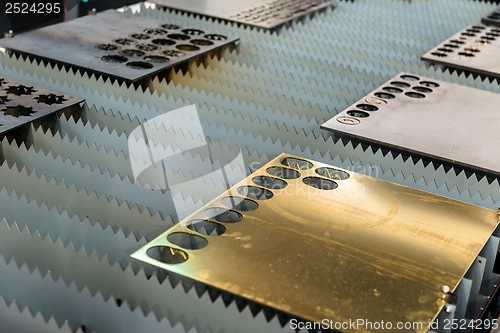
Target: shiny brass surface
<point x="367" y="249"/>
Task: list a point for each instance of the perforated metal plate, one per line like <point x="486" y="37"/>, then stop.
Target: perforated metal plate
<point x="492" y="18"/>
<point x="117" y="44"/>
<point x="444" y="121"/>
<point x="22" y="103"/>
<point x="260" y="13"/>
<point x="473" y="49"/>
<point x="320" y="243"/>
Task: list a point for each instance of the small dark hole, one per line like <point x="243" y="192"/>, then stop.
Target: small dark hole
<point x="443" y="49"/>
<point x="400" y="84"/>
<point x="187" y="47"/>
<point x="187" y="241"/>
<point x="215" y="37"/>
<point x="492" y="34"/>
<point x="468" y="34"/>
<point x="223" y="215"/>
<point x="20" y="90"/>
<point x="429" y="84"/>
<point x="487" y="38"/>
<point x="240" y="204"/>
<point x="132" y="53"/>
<point x="163" y="41"/>
<point x="201" y="42"/>
<point x="107" y="47"/>
<point x="466" y="54"/>
<point x="414" y="94"/>
<point x="285" y="173"/>
<point x="4" y="99"/>
<point x="167" y="254"/>
<point x="155" y="31"/>
<point x="170" y="26"/>
<point x="140" y="36"/>
<point x="50" y="99"/>
<point x="139" y="65"/>
<point x="358" y="114"/>
<point x="193" y="32"/>
<point x="332" y="173"/>
<point x="447" y="47"/>
<point x="478" y="27"/>
<point x="124" y="41"/>
<point x="480" y="41"/>
<point x="254" y="192"/>
<point x="179" y="37"/>
<point x="270" y="182"/>
<point x="455" y="41"/>
<point x="392" y="90"/>
<point x="367" y="107"/>
<point x="114" y="58"/>
<point x="439" y="54"/>
<point x="472" y="50"/>
<point x="409" y="78"/>
<point x="206" y="228"/>
<point x="320" y="183"/>
<point x="147" y="47"/>
<point x="422" y="89"/>
<point x="18" y="111"/>
<point x="156" y="59"/>
<point x="173" y="53"/>
<point x="384" y="95"/>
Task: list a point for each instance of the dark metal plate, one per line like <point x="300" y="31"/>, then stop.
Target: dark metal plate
<point x="22" y="103"/>
<point x="117" y="44"/>
<point x="322" y="243"/>
<point x="260" y="13"/>
<point x="492" y="18"/>
<point x="474" y="49"/>
<point x="441" y="120"/>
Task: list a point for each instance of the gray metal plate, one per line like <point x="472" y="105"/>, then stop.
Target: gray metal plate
<point x="448" y="122"/>
<point x="492" y="18"/>
<point x="117" y="44"/>
<point x="265" y="14"/>
<point x="473" y="49"/>
<point x="22" y="103"/>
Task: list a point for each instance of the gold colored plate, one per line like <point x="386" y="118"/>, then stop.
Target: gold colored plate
<point x="368" y="249"/>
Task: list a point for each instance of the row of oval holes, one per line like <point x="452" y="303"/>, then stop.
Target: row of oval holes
<point x="395" y="88"/>
<point x="454" y="44"/>
<point x="171" y="255"/>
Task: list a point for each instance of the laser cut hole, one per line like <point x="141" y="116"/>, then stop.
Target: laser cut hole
<point x="147" y="47"/>
<point x="367" y="107"/>
<point x="193" y="32"/>
<point x="223" y="215"/>
<point x="241" y="204"/>
<point x="20" y="90"/>
<point x="409" y="78"/>
<point x="442" y="49"/>
<point x="18" y="111"/>
<point x="206" y="228"/>
<point x="392" y="90"/>
<point x="468" y="34"/>
<point x="422" y="89"/>
<point x="173" y="53"/>
<point x="439" y="54"/>
<point x="400" y="84"/>
<point x="132" y="53"/>
<point x="471" y="50"/>
<point x="296" y="163"/>
<point x="107" y="47"/>
<point x="140" y="36"/>
<point x="187" y="241"/>
<point x="487" y="38"/>
<point x="358" y="114"/>
<point x="270" y="182"/>
<point x="201" y="42"/>
<point x="320" y="183"/>
<point x="139" y="65"/>
<point x="332" y="173"/>
<point x="156" y="59"/>
<point x="414" y="94"/>
<point x="480" y="41"/>
<point x="50" y="99"/>
<point x="167" y="254"/>
<point x="4" y="99"/>
<point x="456" y="41"/>
<point x="163" y="41"/>
<point x="170" y="26"/>
<point x="255" y="193"/>
<point x="429" y="84"/>
<point x="216" y="37"/>
<point x="466" y="54"/>
<point x="187" y="47"/>
<point x="384" y="95"/>
<point x="114" y="58"/>
<point x="155" y="31"/>
<point x="179" y="37"/>
<point x="124" y="41"/>
<point x="283" y="172"/>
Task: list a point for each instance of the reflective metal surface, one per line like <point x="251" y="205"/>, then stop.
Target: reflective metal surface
<point x="428" y="117"/>
<point x="117" y="44"/>
<point x="320" y="242"/>
<point x="22" y="103"/>
<point x="473" y="49"/>
<point x="265" y="14"/>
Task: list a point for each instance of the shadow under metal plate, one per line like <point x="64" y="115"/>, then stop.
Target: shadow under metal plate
<point x="320" y="242"/>
<point x="22" y="103"/>
<point x="117" y="44"/>
<point x="474" y="49"/>
<point x="492" y="18"/>
<point x="447" y="122"/>
<point x="265" y="14"/>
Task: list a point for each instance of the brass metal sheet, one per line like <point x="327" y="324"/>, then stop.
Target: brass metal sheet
<point x="357" y="247"/>
<point x="429" y="118"/>
<point x="474" y="48"/>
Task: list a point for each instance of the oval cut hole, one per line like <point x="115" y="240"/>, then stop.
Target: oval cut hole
<point x="167" y="254"/>
<point x="187" y="241"/>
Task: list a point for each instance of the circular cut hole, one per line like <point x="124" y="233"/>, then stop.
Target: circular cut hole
<point x="392" y="90"/>
<point x="429" y="84"/>
<point x="114" y="58"/>
<point x="447" y="47"/>
<point x="193" y="32"/>
<point x="167" y="254"/>
<point x="163" y="41"/>
<point x="456" y="41"/>
<point x="187" y="47"/>
<point x="367" y="107"/>
<point x="155" y="31"/>
<point x="466" y="54"/>
<point x="254" y="192"/>
<point x="409" y="78"/>
<point x="187" y="241"/>
<point x="132" y="53"/>
<point x="400" y="84"/>
<point x="147" y="47"/>
<point x="223" y="215"/>
<point x="139" y="65"/>
<point x="487" y="38"/>
<point x="206" y="228"/>
<point x="320" y="183"/>
<point x="156" y="59"/>
<point x="469" y="49"/>
<point x="285" y="173"/>
<point x="332" y="173"/>
<point x="493" y="34"/>
<point x="384" y="95"/>
<point x="179" y="37"/>
<point x="358" y="114"/>
<point x="474" y="31"/>
<point x="107" y="47"/>
<point x="216" y="37"/>
<point x="414" y="94"/>
<point x="478" y="27"/>
<point x="439" y="54"/>
<point x="481" y="41"/>
<point x="442" y="49"/>
<point x="296" y="163"/>
<point x="140" y="36"/>
<point x="124" y="41"/>
<point x="170" y="26"/>
<point x="269" y="182"/>
<point x="468" y="34"/>
<point x="422" y="89"/>
<point x="201" y="42"/>
<point x="240" y="204"/>
<point x="173" y="53"/>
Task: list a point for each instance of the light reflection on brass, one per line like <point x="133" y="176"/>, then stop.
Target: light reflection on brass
<point x="368" y="249"/>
